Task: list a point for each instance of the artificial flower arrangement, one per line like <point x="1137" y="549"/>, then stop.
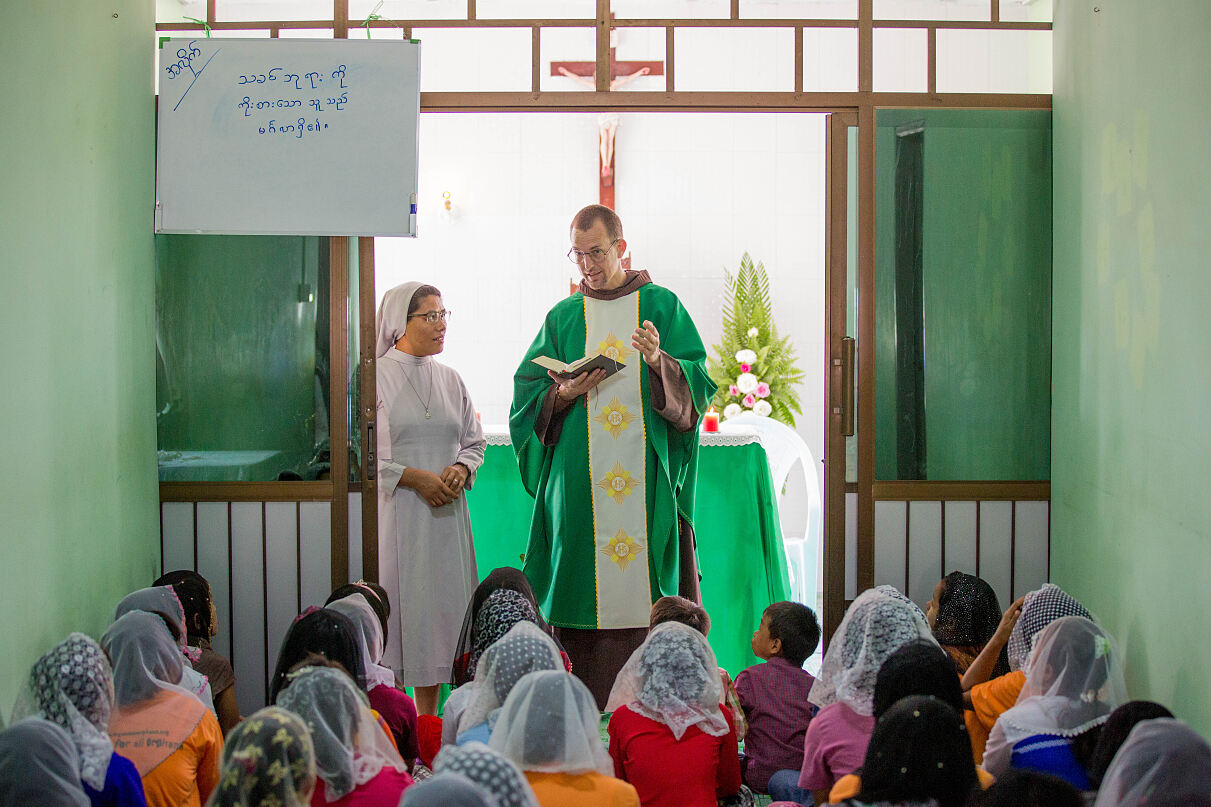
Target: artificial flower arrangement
<point x="753" y="366"/>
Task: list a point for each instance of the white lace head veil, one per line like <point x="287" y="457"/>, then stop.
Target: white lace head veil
<point x="153" y="714"/>
<point x="392" y="317"/>
<point x="488" y="769"/>
<point x="525" y="648"/>
<point x="1039" y="609"/>
<point x="267" y="760"/>
<point x="550" y="723"/>
<point x="38" y="766"/>
<point x="878" y="623"/>
<point x="72" y="686"/>
<point x="1163" y="763"/>
<point x="369" y="638"/>
<point x="350" y="747"/>
<point x="1074" y="680"/>
<point x="673" y="678"/>
<point x="163" y="600"/>
<point x="448" y="789"/>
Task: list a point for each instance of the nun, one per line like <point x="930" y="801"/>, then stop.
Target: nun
<point x="430" y="445"/>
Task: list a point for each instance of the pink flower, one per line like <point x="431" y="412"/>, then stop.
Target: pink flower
<point x="733" y="390"/>
<point x="749" y="400"/>
<point x="762" y="390"/>
<point x="746" y="368"/>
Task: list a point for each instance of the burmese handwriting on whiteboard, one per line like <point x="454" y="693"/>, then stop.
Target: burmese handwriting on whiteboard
<point x="185" y="57"/>
<point x="305" y="83"/>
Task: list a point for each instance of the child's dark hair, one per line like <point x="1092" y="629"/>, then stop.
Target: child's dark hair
<point x="1022" y="788"/>
<point x="917" y="668"/>
<point x="1114" y="733"/>
<point x="795" y="625"/>
<point x="193" y="591"/>
<point x="680" y="609"/>
<point x="372" y="593"/>
<point x="326" y="633"/>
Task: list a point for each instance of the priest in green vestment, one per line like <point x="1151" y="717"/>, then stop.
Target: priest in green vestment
<point x="611" y="462"/>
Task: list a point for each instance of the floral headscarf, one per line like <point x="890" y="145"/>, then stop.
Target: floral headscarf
<point x="878" y="623"/>
<point x="72" y="687"/>
<point x="268" y="761"/>
<point x="1039" y="609"/>
<point x="673" y="678"/>
<point x="503" y="609"/>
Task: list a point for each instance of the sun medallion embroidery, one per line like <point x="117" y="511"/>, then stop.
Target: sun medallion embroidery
<point x="618" y="483"/>
<point x="622" y="549"/>
<point x="614" y="418"/>
<point x="614" y="348"/>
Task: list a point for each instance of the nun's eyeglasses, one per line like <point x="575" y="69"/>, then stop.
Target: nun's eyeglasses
<point x="434" y="316"/>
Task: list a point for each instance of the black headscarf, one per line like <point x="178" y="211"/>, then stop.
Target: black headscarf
<point x="918" y="668"/>
<point x="968" y="616"/>
<point x="507" y="578"/>
<point x="919" y="751"/>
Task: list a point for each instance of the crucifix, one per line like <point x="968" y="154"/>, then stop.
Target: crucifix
<point x="607" y="122"/>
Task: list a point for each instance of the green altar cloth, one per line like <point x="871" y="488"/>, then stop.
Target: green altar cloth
<point x="740" y="554"/>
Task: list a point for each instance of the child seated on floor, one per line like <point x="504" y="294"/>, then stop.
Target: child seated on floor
<point x="202" y="625"/>
<point x="669" y="735"/>
<point x="774" y="698"/>
<point x="688" y="612"/>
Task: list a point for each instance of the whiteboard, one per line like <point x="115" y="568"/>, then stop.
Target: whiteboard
<point x="287" y="137"/>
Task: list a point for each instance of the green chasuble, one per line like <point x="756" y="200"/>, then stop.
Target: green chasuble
<point x="610" y="492"/>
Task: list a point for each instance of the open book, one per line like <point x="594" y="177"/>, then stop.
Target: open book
<point x="568" y="371"/>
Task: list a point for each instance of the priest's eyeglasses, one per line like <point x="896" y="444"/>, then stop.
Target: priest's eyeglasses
<point x="434" y="316"/>
<point x="595" y="255"/>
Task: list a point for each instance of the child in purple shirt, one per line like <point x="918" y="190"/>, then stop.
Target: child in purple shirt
<point x="774" y="698"/>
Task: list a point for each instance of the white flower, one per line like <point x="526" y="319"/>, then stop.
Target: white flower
<point x="746" y="383"/>
<point x="762" y="408"/>
<point x="746" y="356"/>
<point x="731" y="410"/>
<point x="752" y="332"/>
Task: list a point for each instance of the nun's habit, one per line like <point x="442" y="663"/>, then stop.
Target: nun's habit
<point x="426" y="558"/>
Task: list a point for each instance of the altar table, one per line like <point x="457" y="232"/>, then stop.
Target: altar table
<point x="740" y="554"/>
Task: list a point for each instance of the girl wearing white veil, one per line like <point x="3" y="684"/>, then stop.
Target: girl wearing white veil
<point x="38" y="766"/>
<point x="163" y="600"/>
<point x="173" y="740"/>
<point x="550" y="727"/>
<point x="670" y="734"/>
<point x="430" y="445"/>
<point x="1074" y="680"/>
<point x="1163" y="763"/>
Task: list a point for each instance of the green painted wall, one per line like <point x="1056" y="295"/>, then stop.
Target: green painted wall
<point x="78" y="489"/>
<point x="986" y="289"/>
<point x="1131" y="519"/>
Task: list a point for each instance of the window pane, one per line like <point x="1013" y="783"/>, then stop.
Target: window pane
<point x="409" y="9"/>
<point x="536" y="9"/>
<point x="305" y="33"/>
<point x="932" y="9"/>
<point x="1026" y="10"/>
<point x="901" y="60"/>
<point x="761" y="59"/>
<point x="353" y="362"/>
<point x="256" y="10"/>
<point x="994" y="61"/>
<point x="241" y="357"/>
<point x="178" y="10"/>
<point x="799" y="9"/>
<point x="468" y="59"/>
<point x="671" y="9"/>
<point x="963" y="295"/>
<point x="572" y="49"/>
<point x="830" y="59"/>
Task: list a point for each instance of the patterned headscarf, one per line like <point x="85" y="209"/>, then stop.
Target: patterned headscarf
<point x="500" y="612"/>
<point x="491" y="771"/>
<point x="673" y="678"/>
<point x="968" y="615"/>
<point x="879" y="622"/>
<point x="1039" y="610"/>
<point x="72" y="686"/>
<point x="267" y="761"/>
<point x="524" y="649"/>
<point x="38" y="766"/>
<point x="448" y="789"/>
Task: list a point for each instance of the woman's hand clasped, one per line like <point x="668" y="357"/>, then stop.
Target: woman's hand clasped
<point x="432" y="488"/>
